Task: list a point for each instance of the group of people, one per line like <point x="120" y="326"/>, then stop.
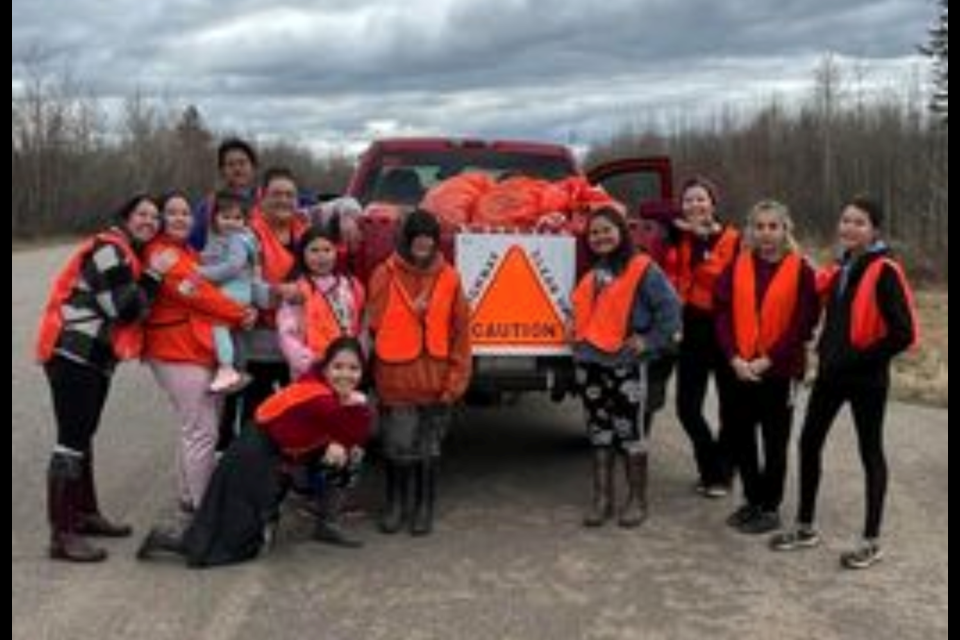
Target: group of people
<point x="247" y="316"/>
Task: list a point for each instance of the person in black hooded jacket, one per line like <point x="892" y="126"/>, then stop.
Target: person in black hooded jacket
<point x="869" y="319"/>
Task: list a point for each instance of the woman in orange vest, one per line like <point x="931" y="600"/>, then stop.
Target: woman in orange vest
<point x="766" y="310"/>
<point x="90" y="322"/>
<point x="179" y="346"/>
<point x="869" y="319"/>
<point x="419" y="323"/>
<point x="625" y="314"/>
<point x="320" y="420"/>
<point x="704" y="249"/>
<point x="330" y="303"/>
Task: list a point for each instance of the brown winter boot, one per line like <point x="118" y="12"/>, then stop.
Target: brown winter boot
<point x="63" y="495"/>
<point x="90" y="522"/>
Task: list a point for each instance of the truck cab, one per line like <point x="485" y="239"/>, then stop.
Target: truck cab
<point x="518" y="281"/>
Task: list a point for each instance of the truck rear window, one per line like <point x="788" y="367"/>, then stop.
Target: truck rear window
<point x="404" y="177"/>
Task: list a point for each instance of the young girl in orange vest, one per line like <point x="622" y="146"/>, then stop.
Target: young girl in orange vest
<point x="321" y="420"/>
<point x="330" y="303"/>
<point x="90" y="322"/>
<point x="625" y="314"/>
<point x="766" y="310"/>
<point x="419" y="324"/>
<point x="869" y="319"/>
<point x="704" y="249"/>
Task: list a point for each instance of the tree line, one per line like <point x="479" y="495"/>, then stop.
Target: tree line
<point x="817" y="152"/>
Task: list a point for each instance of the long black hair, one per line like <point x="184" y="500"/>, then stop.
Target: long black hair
<point x="338" y="345"/>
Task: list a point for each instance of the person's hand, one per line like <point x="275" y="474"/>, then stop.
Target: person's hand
<point x="759" y="366"/>
<point x="636" y="344"/>
<point x="288" y="292"/>
<point x="162" y="261"/>
<point x="356" y="398"/>
<point x="249" y="317"/>
<point x="335" y="455"/>
<point x="743" y="370"/>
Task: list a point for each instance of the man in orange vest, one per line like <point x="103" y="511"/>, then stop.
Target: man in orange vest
<point x="90" y="322"/>
<point x="419" y="322"/>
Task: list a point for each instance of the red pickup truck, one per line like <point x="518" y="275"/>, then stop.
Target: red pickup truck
<point x="518" y="281"/>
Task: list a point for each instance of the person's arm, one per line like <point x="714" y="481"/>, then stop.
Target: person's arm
<point x="723" y="310"/>
<point x="230" y="265"/>
<point x="119" y="295"/>
<point x="461" y="352"/>
<point x="658" y="296"/>
<point x="290" y="336"/>
<point x="198" y="295"/>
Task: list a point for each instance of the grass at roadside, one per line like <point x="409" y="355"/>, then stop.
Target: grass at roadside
<point x="921" y="375"/>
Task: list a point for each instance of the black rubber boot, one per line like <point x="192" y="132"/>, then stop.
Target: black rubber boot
<point x="396" y="511"/>
<point x="634" y="509"/>
<point x="601" y="508"/>
<point x="425" y="495"/>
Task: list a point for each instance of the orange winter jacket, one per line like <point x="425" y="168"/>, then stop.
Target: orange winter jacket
<point x="179" y="327"/>
<point x="419" y="320"/>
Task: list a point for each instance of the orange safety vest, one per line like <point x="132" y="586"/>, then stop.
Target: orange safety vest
<point x="867" y="325"/>
<point x="695" y="284"/>
<point x="295" y="440"/>
<point x="278" y="260"/>
<point x="602" y="318"/>
<point x="756" y="331"/>
<point x="866" y="321"/>
<point x="126" y="339"/>
<point x="321" y="324"/>
<point x="405" y="331"/>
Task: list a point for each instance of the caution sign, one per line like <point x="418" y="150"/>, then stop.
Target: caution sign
<point x="519" y="291"/>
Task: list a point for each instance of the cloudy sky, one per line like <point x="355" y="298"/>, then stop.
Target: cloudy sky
<point x="330" y="73"/>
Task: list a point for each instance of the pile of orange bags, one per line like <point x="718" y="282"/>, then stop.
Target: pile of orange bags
<point x="522" y="203"/>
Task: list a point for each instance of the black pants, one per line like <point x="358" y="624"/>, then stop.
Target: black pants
<point x="868" y="405"/>
<point x="694" y="366"/>
<point x="239" y="408"/>
<point x="761" y="409"/>
<point x="79" y="394"/>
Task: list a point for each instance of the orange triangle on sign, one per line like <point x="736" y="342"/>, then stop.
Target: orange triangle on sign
<point x="515" y="310"/>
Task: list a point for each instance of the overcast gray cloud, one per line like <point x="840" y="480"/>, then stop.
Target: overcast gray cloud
<point x="326" y="72"/>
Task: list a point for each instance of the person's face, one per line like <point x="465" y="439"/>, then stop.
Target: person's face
<point x="770" y="233"/>
<point x="343" y="372"/>
<point x="698" y="207"/>
<point x="177" y="218"/>
<point x="280" y="199"/>
<point x="422" y="249"/>
<point x="603" y="237"/>
<point x="230" y="220"/>
<point x="143" y="222"/>
<point x="855" y="231"/>
<point x="237" y="170"/>
<point x="320" y="256"/>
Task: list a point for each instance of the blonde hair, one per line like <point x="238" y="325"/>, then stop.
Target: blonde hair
<point x="782" y="213"/>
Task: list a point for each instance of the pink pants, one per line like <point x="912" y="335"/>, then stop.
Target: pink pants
<point x="198" y="410"/>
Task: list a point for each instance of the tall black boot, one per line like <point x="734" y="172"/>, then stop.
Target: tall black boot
<point x="63" y="496"/>
<point x="329" y="528"/>
<point x="397" y="508"/>
<point x="425" y="495"/>
<point x="90" y="522"/>
<point x="601" y="508"/>
<point x="634" y="509"/>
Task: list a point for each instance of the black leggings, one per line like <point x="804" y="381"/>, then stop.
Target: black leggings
<point x="868" y="405"/>
<point x="79" y="393"/>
